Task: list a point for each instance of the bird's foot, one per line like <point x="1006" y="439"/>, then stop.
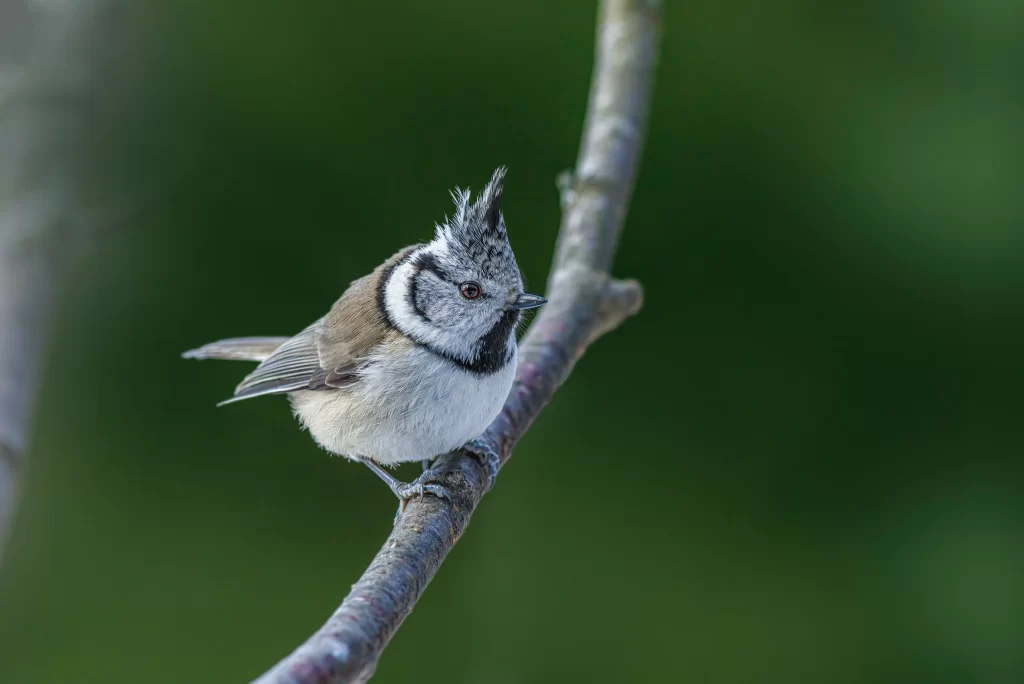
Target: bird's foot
<point x="420" y="487"/>
<point x="488" y="457"/>
<point x="405" y="491"/>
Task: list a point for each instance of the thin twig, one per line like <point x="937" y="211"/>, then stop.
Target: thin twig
<point x="584" y="302"/>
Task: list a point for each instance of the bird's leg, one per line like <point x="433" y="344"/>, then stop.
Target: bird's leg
<point x="426" y="464"/>
<point x="488" y="458"/>
<point x="407" y="490"/>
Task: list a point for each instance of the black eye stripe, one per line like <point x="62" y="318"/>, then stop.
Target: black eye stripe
<point x="424" y="262"/>
<point x="427" y="262"/>
<point x="413" y="299"/>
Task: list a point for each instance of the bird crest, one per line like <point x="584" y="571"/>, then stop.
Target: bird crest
<point x="477" y="229"/>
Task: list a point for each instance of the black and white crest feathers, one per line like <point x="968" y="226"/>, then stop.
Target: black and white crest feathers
<point x="478" y="229"/>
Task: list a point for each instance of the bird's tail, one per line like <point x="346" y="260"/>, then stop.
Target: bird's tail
<point x="237" y="349"/>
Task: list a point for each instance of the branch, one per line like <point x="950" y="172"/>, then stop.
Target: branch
<point x="584" y="303"/>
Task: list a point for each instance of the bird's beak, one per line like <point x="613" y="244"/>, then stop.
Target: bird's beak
<point x="528" y="301"/>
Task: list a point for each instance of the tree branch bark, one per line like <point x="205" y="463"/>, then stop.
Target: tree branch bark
<point x="584" y="303"/>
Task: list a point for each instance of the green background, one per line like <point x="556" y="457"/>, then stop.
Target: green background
<point x="800" y="463"/>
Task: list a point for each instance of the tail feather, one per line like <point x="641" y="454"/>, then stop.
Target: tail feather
<point x="238" y="349"/>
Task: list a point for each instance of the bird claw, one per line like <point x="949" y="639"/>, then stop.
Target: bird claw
<point x="488" y="457"/>
<point x="406" y="491"/>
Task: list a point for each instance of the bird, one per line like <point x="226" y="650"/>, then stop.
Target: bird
<point x="413" y="360"/>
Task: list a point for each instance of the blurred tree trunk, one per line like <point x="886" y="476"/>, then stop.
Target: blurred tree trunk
<point x="48" y="71"/>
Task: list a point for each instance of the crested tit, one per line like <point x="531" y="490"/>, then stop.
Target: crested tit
<point x="415" y="359"/>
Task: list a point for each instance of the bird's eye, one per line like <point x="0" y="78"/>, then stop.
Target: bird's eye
<point x="470" y="290"/>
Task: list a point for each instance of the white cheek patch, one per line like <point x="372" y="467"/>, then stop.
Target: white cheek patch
<point x="408" y="321"/>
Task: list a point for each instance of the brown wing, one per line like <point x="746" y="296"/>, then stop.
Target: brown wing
<point x="327" y="354"/>
<point x="355" y="324"/>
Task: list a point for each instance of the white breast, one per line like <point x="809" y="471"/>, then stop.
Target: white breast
<point x="405" y="406"/>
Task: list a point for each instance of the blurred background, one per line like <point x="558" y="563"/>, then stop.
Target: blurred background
<point x="800" y="463"/>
